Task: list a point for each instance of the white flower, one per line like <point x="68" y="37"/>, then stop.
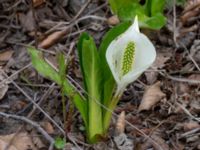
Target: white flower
<point x="129" y="55"/>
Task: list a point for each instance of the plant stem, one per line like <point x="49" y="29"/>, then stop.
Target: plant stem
<point x="108" y="113"/>
<point x="69" y="116"/>
<point x="64" y="108"/>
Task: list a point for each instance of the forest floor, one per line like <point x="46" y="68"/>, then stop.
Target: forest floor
<point x="162" y="108"/>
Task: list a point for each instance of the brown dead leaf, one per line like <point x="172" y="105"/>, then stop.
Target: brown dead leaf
<point x="21" y="141"/>
<point x="161" y="144"/>
<point x="6" y="55"/>
<point x="3" y="146"/>
<point x="37" y="3"/>
<point x="191" y="4"/>
<point x="48" y="127"/>
<point x="152" y="95"/>
<point x="151" y="76"/>
<point x="53" y="38"/>
<point x="182" y="88"/>
<point x="161" y="59"/>
<point x="190" y="125"/>
<point x="158" y="144"/>
<point x="192" y="9"/>
<point x="120" y="125"/>
<point x="27" y="21"/>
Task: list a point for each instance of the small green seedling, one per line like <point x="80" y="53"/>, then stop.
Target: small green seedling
<point x="59" y="143"/>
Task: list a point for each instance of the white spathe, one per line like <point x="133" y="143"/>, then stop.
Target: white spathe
<point x="144" y="56"/>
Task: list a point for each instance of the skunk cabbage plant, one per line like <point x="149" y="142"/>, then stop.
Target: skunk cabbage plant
<point x="128" y="56"/>
<point x="123" y="56"/>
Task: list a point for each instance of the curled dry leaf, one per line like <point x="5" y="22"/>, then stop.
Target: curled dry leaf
<point x="21" y="141"/>
<point x="192" y="9"/>
<point x="53" y="38"/>
<point x="191" y="4"/>
<point x="5" y="55"/>
<point x="48" y="127"/>
<point x="152" y="95"/>
<point x="120" y="125"/>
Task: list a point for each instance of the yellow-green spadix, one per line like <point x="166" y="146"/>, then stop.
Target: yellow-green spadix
<point x="129" y="55"/>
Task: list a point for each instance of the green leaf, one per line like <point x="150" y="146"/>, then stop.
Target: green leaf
<point x="113" y="5"/>
<point x="129" y="11"/>
<point x="150" y="14"/>
<point x="42" y="66"/>
<point x="62" y="66"/>
<point x="91" y="70"/>
<point x="157" y="6"/>
<point x="47" y="71"/>
<point x="84" y="36"/>
<point x="156" y="22"/>
<point x="108" y="80"/>
<point x="59" y="143"/>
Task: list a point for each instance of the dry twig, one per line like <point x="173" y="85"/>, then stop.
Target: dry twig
<point x="32" y="123"/>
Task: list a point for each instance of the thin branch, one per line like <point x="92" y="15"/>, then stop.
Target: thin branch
<point x="81" y="10"/>
<point x="188" y="113"/>
<point x="17" y="72"/>
<point x="164" y="74"/>
<point x="35" y="104"/>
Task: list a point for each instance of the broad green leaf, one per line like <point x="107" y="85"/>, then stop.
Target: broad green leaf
<point x="108" y="80"/>
<point x="92" y="71"/>
<point x="156" y="22"/>
<point x="129" y="11"/>
<point x="157" y="6"/>
<point x="113" y="5"/>
<point x="147" y="7"/>
<point x="150" y="14"/>
<point x="47" y="71"/>
<point x="116" y="5"/>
